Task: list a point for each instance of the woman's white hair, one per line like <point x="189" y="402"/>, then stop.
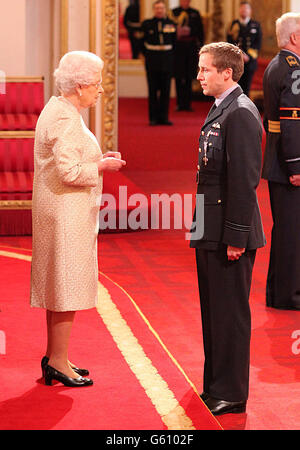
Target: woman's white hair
<point x="286" y="25"/>
<point x="77" y="68"/>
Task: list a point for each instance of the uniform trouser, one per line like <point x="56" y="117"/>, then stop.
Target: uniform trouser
<point x="159" y="84"/>
<point x="135" y="46"/>
<point x="186" y="63"/>
<point x="283" y="281"/>
<point x="184" y="92"/>
<point x="224" y="288"/>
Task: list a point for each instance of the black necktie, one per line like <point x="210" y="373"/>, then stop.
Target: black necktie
<point x="214" y="106"/>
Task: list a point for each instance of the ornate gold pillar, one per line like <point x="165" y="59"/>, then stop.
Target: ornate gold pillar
<point x="92" y="48"/>
<point x="217" y="21"/>
<point x="109" y="53"/>
<point x="64" y="27"/>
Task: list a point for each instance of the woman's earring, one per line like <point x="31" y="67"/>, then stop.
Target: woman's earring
<point x="80" y="93"/>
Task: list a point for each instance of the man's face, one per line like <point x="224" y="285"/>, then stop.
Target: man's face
<point x="159" y="10"/>
<point x="185" y="4"/>
<point x="212" y="82"/>
<point x="245" y="11"/>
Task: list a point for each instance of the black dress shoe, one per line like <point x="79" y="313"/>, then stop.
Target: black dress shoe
<point x="53" y="374"/>
<point x="187" y="108"/>
<point x="45" y="360"/>
<point x="218" y="407"/>
<point x="153" y="123"/>
<point x="166" y="122"/>
<point x="204" y="396"/>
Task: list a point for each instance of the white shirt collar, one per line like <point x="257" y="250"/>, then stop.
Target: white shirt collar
<point x="246" y="21"/>
<point x="225" y="94"/>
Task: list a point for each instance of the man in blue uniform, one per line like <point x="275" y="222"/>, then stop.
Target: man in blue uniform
<point x="190" y="37"/>
<point x="247" y="34"/>
<point x="159" y="36"/>
<point x="282" y="164"/>
<point x="228" y="174"/>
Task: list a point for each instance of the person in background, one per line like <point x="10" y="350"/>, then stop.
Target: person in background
<point x="190" y="37"/>
<point x="228" y="174"/>
<point x="133" y="26"/>
<point x="159" y="37"/>
<point x="68" y="171"/>
<point x="282" y="164"/>
<point x="247" y="34"/>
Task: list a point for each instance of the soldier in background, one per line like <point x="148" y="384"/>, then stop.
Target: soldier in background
<point x="190" y="38"/>
<point x="247" y="34"/>
<point x="159" y="36"/>
<point x="282" y="164"/>
<point x="133" y="26"/>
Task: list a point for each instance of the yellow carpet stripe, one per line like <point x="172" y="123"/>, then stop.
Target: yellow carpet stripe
<point x="160" y="341"/>
<point x="155" y="334"/>
<point x="156" y="388"/>
<point x="15" y="255"/>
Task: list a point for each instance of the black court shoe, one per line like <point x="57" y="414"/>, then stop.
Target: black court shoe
<point x="53" y="374"/>
<point x="45" y="360"/>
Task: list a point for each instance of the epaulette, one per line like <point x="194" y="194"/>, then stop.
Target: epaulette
<point x="292" y="61"/>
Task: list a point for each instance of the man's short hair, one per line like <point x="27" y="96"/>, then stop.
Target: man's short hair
<point x="286" y="25"/>
<point x="226" y="56"/>
<point x="158" y="1"/>
<point x="245" y="3"/>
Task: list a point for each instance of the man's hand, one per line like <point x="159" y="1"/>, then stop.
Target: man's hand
<point x="295" y="180"/>
<point x="234" y="253"/>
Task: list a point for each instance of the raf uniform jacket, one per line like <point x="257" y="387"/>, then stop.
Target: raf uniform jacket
<point x="282" y="117"/>
<point x="159" y="36"/>
<point x="228" y="175"/>
<point x="247" y="37"/>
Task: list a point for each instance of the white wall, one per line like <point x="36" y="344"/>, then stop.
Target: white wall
<point x="13" y="37"/>
<point x="25" y="44"/>
<point x="38" y="40"/>
<point x="295" y="6"/>
<point x="78" y="25"/>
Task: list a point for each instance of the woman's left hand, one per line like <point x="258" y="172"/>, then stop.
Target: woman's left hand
<point x="112" y="155"/>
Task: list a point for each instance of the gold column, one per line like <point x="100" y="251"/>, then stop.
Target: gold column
<point x="92" y="48"/>
<point x="109" y="54"/>
<point x="286" y="6"/>
<point x="64" y="26"/>
<point x="217" y="21"/>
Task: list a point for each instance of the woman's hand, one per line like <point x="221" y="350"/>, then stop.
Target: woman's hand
<point x="110" y="163"/>
<point x="112" y="155"/>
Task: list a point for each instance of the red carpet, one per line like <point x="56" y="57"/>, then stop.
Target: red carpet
<point x="157" y="270"/>
<point x="125" y="396"/>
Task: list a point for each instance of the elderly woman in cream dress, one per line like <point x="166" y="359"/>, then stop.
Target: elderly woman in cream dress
<point x="68" y="167"/>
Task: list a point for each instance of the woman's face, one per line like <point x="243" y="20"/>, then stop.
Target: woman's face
<point x="91" y="92"/>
